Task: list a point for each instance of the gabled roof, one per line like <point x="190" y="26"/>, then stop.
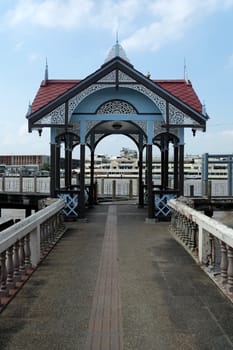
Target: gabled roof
<point x="54" y="93"/>
<point x="52" y="89"/>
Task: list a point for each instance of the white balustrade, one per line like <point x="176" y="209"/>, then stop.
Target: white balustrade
<point x="210" y="241"/>
<point x="24" y="244"/>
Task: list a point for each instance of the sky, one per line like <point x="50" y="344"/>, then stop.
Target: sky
<point x="76" y="35"/>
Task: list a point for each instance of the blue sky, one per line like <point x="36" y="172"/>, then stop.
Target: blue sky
<point x="76" y="35"/>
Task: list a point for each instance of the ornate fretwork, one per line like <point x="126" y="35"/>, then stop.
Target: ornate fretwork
<point x="158" y="129"/>
<point x="177" y="117"/>
<point x="124" y="78"/>
<point x="159" y="101"/>
<point x="73" y="102"/>
<point x="90" y="124"/>
<point x="142" y="125"/>
<point x="116" y="107"/>
<point x="57" y="116"/>
<point x="76" y="128"/>
<point x="111" y="77"/>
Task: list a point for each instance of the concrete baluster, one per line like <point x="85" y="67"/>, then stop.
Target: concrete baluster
<point x="192" y="236"/>
<point x="35" y="184"/>
<point x="230" y="269"/>
<point x="21" y="256"/>
<point x="224" y="262"/>
<point x="10" y="267"/>
<point x="3" y="289"/>
<point x="16" y="261"/>
<point x="179" y="225"/>
<point x="27" y="252"/>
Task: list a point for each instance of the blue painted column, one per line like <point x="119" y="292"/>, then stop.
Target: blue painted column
<point x="82" y="169"/>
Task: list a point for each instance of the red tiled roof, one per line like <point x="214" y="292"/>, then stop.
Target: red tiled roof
<point x="51" y="90"/>
<point x="181" y="89"/>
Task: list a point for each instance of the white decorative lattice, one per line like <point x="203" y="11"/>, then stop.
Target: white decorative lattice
<point x="73" y="102"/>
<point x="142" y="125"/>
<point x="124" y="78"/>
<point x="159" y="101"/>
<point x="116" y="107"/>
<point x="90" y="124"/>
<point x="111" y="77"/>
<point x="158" y="129"/>
<point x="176" y="116"/>
<point x="57" y="116"/>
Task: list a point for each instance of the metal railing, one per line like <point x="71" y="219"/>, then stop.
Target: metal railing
<point x="209" y="242"/>
<point x="25" y="244"/>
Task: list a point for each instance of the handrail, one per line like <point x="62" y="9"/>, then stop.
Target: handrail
<point x="209" y="241"/>
<point x="25" y="244"/>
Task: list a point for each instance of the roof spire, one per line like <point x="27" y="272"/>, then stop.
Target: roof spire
<point x="46" y="75"/>
<point x="204" y="108"/>
<point x="185" y="71"/>
<point x="117" y="41"/>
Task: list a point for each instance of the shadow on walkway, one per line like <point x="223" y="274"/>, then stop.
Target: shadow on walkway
<point x="116" y="282"/>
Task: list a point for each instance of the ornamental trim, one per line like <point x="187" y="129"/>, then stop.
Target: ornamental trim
<point x="56" y="117"/>
<point x="116" y="107"/>
<point x="74" y="101"/>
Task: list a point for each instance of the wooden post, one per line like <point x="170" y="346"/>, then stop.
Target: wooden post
<point x="131" y="189"/>
<point x="21" y="184"/>
<point x="113" y="190"/>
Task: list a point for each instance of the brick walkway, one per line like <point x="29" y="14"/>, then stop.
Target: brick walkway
<point x="105" y="327"/>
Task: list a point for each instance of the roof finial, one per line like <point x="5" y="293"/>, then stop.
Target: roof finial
<point x="204" y="108"/>
<point x="46" y="75"/>
<point x="185" y="72"/>
<point x="29" y="111"/>
<point x="117" y="41"/>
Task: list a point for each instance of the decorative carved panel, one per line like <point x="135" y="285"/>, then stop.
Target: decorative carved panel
<point x="116" y="107"/>
<point x="74" y="102"/>
<point x="178" y="117"/>
<point x="57" y="116"/>
<point x="159" y="101"/>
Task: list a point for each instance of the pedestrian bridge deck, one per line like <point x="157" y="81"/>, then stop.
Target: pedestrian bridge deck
<point x="117" y="282"/>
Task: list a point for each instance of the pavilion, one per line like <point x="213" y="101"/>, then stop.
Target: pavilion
<point x="117" y="99"/>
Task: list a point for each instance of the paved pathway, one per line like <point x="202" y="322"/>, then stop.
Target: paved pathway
<point x="117" y="283"/>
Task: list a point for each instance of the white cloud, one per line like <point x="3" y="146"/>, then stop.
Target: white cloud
<point x="51" y="13"/>
<point x="227" y="133"/>
<point x="145" y="24"/>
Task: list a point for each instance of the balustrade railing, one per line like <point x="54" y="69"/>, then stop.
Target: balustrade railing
<point x="209" y="241"/>
<point x="25" y="244"/>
